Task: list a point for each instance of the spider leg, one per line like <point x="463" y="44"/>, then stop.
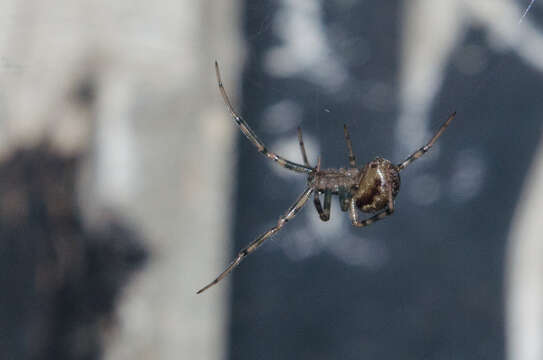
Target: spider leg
<point x="318" y="205"/>
<point x="344" y="200"/>
<point x="352" y="160"/>
<point x="250" y="134"/>
<point x="316" y="199"/>
<point x="353" y="214"/>
<point x="371" y="220"/>
<point x="324" y="214"/>
<point x="291" y="213"/>
<point x="302" y="147"/>
<point x="423" y="150"/>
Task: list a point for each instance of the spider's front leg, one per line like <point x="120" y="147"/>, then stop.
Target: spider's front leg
<point x="324" y="214"/>
<point x="291" y="213"/>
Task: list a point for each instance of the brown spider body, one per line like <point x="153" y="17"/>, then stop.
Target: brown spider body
<point x="367" y="185"/>
<point x="371" y="195"/>
<point x="370" y="189"/>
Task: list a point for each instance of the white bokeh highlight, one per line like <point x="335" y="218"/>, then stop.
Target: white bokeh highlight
<point x="304" y="50"/>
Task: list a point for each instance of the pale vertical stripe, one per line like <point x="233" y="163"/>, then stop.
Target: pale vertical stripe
<point x="524" y="271"/>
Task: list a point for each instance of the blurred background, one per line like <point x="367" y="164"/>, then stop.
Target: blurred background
<point x="125" y="186"/>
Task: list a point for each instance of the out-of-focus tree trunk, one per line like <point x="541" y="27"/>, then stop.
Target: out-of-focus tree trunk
<point x="132" y="85"/>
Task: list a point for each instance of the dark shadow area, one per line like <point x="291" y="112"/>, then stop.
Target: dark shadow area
<point x="59" y="280"/>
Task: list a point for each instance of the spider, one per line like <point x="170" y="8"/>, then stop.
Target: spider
<point x="370" y="188"/>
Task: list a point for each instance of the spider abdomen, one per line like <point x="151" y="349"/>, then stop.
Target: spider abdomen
<point x="377" y="177"/>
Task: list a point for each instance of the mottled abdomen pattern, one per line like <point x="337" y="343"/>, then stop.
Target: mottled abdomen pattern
<point x="372" y="192"/>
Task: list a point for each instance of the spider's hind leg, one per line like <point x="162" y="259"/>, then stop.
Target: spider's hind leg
<point x="354" y="216"/>
<point x="423" y="150"/>
<point x="352" y="159"/>
<point x="291" y="213"/>
<point x="253" y="138"/>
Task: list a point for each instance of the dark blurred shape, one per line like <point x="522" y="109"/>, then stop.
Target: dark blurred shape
<point x="85" y="93"/>
<point x="59" y="280"/>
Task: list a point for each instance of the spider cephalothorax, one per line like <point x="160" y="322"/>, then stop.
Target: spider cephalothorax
<point x="370" y="189"/>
